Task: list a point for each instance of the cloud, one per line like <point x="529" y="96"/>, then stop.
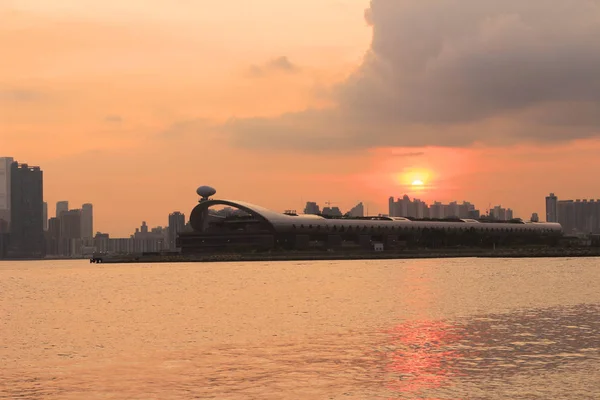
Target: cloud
<point x="188" y="128"/>
<point x="411" y="154"/>
<point x="113" y="118"/>
<point x="279" y="64"/>
<point x="20" y="95"/>
<point x="458" y="72"/>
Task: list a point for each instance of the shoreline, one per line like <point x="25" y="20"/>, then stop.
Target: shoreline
<point x="334" y="256"/>
<point x="338" y="256"/>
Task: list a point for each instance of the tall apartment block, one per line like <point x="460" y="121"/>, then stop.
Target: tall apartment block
<point x="579" y="216"/>
<point x="551" y="208"/>
<point x="45" y="216"/>
<point x="27" y="208"/>
<point x="575" y="216"/>
<point x="5" y="168"/>
<point x="357" y="211"/>
<point x="405" y="207"/>
<point x="61" y="206"/>
<point x="70" y="232"/>
<point x="87" y="221"/>
<point x="176" y="226"/>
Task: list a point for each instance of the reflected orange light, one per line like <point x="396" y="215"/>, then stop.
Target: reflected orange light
<point x="422" y="355"/>
<point x="423" y="350"/>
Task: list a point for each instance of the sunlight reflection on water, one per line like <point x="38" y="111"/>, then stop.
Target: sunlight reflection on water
<point x="427" y="329"/>
<point x="430" y="358"/>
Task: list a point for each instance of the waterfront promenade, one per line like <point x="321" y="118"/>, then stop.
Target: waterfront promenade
<point x="371" y="255"/>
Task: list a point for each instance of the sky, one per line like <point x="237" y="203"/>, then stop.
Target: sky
<point x="133" y="105"/>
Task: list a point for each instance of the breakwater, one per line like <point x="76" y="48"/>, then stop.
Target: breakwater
<point x="340" y="255"/>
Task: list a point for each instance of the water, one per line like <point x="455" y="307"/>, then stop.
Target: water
<point x="415" y="329"/>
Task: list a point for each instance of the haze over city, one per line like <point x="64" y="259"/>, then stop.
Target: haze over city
<point x="132" y="105"/>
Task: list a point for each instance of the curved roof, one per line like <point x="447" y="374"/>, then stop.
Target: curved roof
<point x="286" y="222"/>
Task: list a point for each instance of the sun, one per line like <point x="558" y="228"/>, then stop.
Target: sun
<point x="415" y="180"/>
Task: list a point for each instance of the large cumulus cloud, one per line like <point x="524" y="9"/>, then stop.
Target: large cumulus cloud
<point x="454" y="72"/>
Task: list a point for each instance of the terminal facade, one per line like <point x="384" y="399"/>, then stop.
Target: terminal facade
<point x="257" y="229"/>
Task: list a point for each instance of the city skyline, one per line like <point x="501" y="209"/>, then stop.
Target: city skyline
<point x="71" y="233"/>
<point x="350" y="110"/>
<point x="87" y="216"/>
<point x="87" y="230"/>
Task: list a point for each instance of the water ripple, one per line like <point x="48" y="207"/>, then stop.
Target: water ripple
<point x="424" y="329"/>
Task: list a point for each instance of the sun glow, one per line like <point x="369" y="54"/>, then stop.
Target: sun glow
<point x="415" y="179"/>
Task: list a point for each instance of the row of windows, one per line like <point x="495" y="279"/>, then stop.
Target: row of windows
<point x="415" y="228"/>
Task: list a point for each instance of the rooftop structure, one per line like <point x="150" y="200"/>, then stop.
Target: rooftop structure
<point x="260" y="228"/>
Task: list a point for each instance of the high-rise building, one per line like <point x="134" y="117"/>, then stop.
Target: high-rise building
<point x="70" y="224"/>
<point x="551" y="208"/>
<point x="4" y="236"/>
<point x="5" y="168"/>
<point x="70" y="231"/>
<point x="509" y="214"/>
<point x="357" y="211"/>
<point x="401" y="207"/>
<point x="27" y="204"/>
<point x="45" y="216"/>
<point x="87" y="221"/>
<point x="420" y="209"/>
<point x="176" y="226"/>
<point x="474" y="214"/>
<point x="312" y="208"/>
<point x="61" y="206"/>
<point x="453" y="210"/>
<point x="405" y="207"/>
<point x="53" y="237"/>
<point x="332" y="211"/>
<point x="465" y="210"/>
<point x="579" y="216"/>
<point x="437" y="210"/>
<point x="501" y="214"/>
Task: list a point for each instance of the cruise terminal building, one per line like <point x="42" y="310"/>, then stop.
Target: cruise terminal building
<point x="257" y="229"/>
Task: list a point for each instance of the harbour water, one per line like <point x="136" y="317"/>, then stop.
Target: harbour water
<point x="407" y="329"/>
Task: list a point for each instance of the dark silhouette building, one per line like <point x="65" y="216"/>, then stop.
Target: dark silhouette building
<point x="579" y="216"/>
<point x="4" y="236"/>
<point x="357" y="211"/>
<point x="61" y="206"/>
<point x="53" y="237"/>
<point x="87" y="221"/>
<point x="552" y="208"/>
<point x="27" y="219"/>
<point x="176" y="226"/>
<point x="70" y="231"/>
<point x="260" y="229"/>
<point x="45" y="216"/>
<point x="312" y="208"/>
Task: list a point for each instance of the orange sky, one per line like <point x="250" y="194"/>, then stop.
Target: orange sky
<point x="123" y="104"/>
